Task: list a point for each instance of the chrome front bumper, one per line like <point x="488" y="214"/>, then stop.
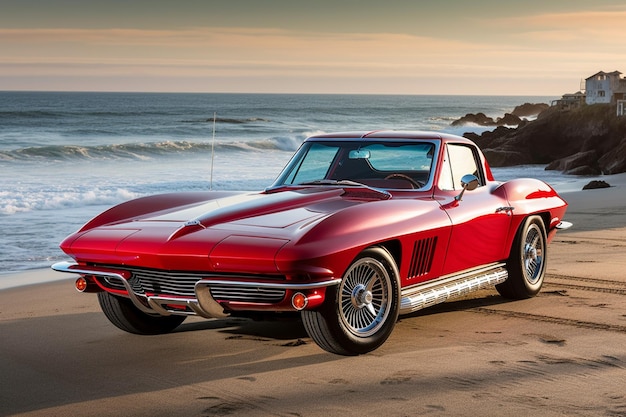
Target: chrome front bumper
<point x="203" y="304"/>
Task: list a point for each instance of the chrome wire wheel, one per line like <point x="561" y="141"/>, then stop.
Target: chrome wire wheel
<point x="360" y="313"/>
<point x="532" y="256"/>
<point x="364" y="297"/>
<point x="526" y="265"/>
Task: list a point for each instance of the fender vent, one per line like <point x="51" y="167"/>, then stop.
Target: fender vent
<point x="423" y="252"/>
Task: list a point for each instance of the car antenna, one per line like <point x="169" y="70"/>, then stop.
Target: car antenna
<point x="212" y="152"/>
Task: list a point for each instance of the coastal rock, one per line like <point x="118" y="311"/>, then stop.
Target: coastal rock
<point x="500" y="158"/>
<point x="572" y="164"/>
<point x="489" y="137"/>
<point x="529" y="109"/>
<point x="582" y="170"/>
<point x="596" y="184"/>
<point x="590" y="140"/>
<point x="614" y="161"/>
<point x="480" y="119"/>
<point x="509" y="119"/>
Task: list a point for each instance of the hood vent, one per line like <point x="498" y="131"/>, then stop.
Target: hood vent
<point x="422" y="260"/>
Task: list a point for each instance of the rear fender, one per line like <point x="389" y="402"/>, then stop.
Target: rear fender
<point x="530" y="196"/>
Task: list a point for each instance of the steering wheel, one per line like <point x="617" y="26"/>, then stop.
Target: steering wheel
<point x="405" y="177"/>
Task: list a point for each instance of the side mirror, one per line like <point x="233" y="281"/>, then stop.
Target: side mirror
<point x="469" y="182"/>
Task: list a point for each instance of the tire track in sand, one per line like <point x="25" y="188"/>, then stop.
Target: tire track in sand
<point x="574" y="283"/>
<point x="551" y="319"/>
<point x="601" y="285"/>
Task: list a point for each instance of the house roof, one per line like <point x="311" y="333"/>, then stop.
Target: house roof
<point x="615" y="73"/>
<point x="578" y="94"/>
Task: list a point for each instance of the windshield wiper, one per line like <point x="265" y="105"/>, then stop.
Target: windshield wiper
<point x="325" y="182"/>
<point x="348" y="183"/>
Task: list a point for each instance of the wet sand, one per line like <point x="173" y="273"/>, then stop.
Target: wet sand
<point x="561" y="353"/>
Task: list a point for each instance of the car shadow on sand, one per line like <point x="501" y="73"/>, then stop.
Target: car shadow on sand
<point x="277" y="327"/>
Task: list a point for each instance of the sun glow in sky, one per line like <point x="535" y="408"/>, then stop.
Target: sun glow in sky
<point x="292" y="46"/>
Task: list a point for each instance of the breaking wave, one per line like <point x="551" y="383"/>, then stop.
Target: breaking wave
<point x="145" y="151"/>
<point x="15" y="202"/>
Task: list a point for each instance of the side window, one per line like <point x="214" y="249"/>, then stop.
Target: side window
<point x="445" y="177"/>
<point x="458" y="161"/>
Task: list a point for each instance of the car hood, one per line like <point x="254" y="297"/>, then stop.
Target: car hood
<point x="256" y="222"/>
<point x="277" y="210"/>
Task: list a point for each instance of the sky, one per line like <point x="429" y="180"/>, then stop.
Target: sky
<point x="478" y="47"/>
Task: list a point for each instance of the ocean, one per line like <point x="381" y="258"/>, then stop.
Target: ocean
<point x="65" y="157"/>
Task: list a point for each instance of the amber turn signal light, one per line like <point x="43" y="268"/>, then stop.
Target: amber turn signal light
<point x="81" y="284"/>
<point x="299" y="301"/>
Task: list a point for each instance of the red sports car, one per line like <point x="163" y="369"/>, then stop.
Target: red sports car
<point x="358" y="228"/>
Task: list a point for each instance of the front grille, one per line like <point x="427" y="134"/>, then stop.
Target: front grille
<point x="182" y="284"/>
<point x="165" y="282"/>
<point x="247" y="294"/>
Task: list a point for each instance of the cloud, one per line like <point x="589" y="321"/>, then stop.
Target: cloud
<point x="278" y="60"/>
<point x="587" y="26"/>
<point x="228" y="47"/>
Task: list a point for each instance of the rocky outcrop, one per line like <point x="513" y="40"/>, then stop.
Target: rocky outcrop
<point x="586" y="141"/>
<point x="592" y="185"/>
<point x="614" y="161"/>
<point x="581" y="163"/>
<point x="481" y="119"/>
<point x="515" y="118"/>
<point x="529" y="109"/>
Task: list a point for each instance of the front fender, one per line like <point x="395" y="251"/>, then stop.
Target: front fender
<point x="332" y="243"/>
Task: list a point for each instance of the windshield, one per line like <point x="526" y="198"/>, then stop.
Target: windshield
<point x="389" y="165"/>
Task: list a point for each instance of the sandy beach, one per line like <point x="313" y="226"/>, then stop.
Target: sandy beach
<point x="559" y="354"/>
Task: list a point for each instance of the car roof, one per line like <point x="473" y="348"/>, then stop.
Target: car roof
<point x="392" y="134"/>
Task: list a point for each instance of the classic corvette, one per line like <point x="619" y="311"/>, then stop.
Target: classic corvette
<point x="359" y="227"/>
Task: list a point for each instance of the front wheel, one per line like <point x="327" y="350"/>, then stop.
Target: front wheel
<point x="360" y="313"/>
<point x="124" y="315"/>
<point x="527" y="262"/>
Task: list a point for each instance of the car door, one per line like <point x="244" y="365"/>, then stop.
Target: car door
<point x="480" y="219"/>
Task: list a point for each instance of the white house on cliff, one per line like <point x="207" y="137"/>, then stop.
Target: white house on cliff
<point x="608" y="88"/>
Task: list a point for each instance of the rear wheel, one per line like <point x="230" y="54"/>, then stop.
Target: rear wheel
<point x="527" y="262"/>
<point x="360" y="313"/>
<point x="124" y="315"/>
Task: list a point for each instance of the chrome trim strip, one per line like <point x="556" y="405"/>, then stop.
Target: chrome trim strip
<point x="453" y="286"/>
<point x="147" y="305"/>
<point x="207" y="303"/>
<point x="275" y="285"/>
<point x="73" y="268"/>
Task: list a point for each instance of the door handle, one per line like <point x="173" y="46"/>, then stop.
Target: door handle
<point x="508" y="210"/>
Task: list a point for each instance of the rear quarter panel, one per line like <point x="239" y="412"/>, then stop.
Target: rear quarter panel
<point x="530" y="196"/>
